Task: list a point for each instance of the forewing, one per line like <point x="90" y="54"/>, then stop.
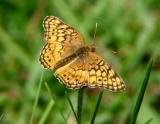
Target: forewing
<point x="61" y="40"/>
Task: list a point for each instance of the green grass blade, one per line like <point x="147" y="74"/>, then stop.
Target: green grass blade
<point x="80" y="104"/>
<point x="48" y="108"/>
<point x="96" y="108"/>
<point x="149" y="121"/>
<point x="46" y="112"/>
<point x="71" y="105"/>
<point x="36" y="99"/>
<point x="14" y="49"/>
<point x="65" y="121"/>
<point x="1" y="117"/>
<point x="49" y="90"/>
<point x="141" y="93"/>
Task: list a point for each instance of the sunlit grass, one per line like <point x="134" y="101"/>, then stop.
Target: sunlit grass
<point x="141" y="93"/>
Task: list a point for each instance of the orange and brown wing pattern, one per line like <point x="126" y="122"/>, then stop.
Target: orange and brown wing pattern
<point x="61" y="40"/>
<point x="101" y="75"/>
<point x="73" y="75"/>
<point x="89" y="70"/>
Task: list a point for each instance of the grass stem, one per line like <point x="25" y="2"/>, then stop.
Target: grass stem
<point x="71" y="105"/>
<point x="141" y="93"/>
<point x="96" y="108"/>
<point x="80" y="104"/>
<point x="36" y="99"/>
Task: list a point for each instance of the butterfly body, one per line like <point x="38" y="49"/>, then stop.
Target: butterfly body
<point x="81" y="53"/>
<point x="75" y="64"/>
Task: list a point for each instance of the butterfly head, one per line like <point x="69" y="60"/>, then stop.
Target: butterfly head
<point x="92" y="48"/>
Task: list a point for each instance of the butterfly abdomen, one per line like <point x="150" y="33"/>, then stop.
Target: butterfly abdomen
<point x="64" y="61"/>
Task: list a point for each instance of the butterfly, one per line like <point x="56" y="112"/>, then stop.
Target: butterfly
<point x="75" y="65"/>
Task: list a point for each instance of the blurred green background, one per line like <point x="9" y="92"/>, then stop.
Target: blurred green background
<point x="128" y="34"/>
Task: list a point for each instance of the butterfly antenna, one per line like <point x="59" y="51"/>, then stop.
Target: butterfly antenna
<point x="94" y="36"/>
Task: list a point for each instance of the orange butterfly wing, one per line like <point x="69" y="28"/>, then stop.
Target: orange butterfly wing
<point x="73" y="75"/>
<point x="89" y="70"/>
<point x="61" y="41"/>
<point x="102" y="75"/>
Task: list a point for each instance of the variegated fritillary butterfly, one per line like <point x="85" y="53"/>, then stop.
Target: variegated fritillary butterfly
<point x="75" y="65"/>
